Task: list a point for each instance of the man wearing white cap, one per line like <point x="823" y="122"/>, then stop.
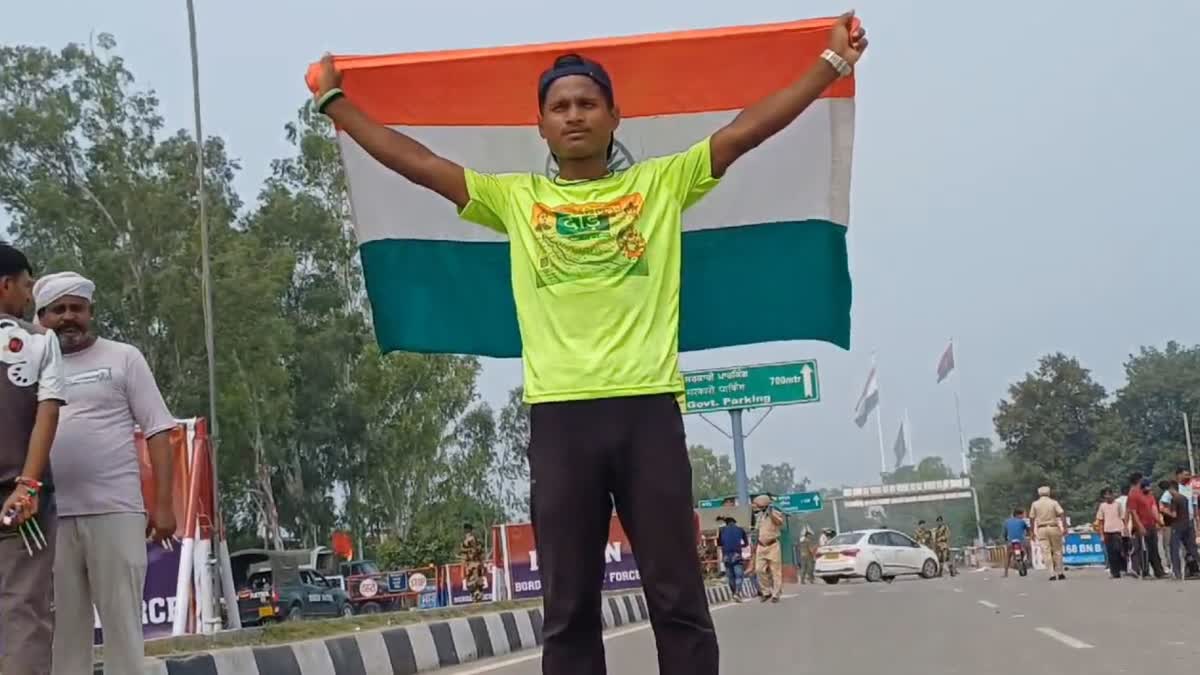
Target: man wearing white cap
<point x="103" y="525"/>
<point x="768" y="557"/>
<point x="1049" y="526"/>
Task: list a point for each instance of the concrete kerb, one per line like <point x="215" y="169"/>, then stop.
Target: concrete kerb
<point x="403" y="650"/>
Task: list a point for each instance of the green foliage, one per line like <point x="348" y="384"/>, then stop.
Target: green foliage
<point x="1060" y="428"/>
<point x="712" y="474"/>
<point x="318" y="429"/>
<point x="930" y="468"/>
<point x="1161" y="386"/>
<point x="778" y="479"/>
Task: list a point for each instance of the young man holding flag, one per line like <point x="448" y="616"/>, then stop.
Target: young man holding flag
<point x="596" y="278"/>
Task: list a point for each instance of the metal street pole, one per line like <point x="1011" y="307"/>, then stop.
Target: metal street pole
<point x="739" y="457"/>
<point x="978" y="525"/>
<point x="1187" y="433"/>
<point x="221" y="548"/>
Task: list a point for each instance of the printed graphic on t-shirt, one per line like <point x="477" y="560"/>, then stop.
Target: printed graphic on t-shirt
<point x="590" y="240"/>
<point x="18" y="356"/>
<point x="90" y="377"/>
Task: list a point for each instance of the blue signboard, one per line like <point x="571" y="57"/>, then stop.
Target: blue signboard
<point x="1083" y="548"/>
<point x="428" y="600"/>
<point x="397" y="582"/>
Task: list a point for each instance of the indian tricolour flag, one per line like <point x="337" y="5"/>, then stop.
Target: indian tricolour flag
<point x="764" y="255"/>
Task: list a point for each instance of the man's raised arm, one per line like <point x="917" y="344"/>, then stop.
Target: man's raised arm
<point x="769" y="116"/>
<point x="391" y="148"/>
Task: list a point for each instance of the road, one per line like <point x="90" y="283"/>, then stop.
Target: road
<point x="978" y="623"/>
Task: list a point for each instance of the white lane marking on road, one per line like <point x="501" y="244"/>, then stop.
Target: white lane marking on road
<point x="1018" y="616"/>
<point x="981" y="569"/>
<point x="788" y="596"/>
<point x="1023" y="595"/>
<point x="958" y="590"/>
<point x="989" y="605"/>
<point x="537" y="654"/>
<point x="830" y="594"/>
<point x="1074" y="643"/>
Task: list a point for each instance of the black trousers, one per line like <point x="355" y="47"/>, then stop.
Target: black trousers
<point x="1115" y="549"/>
<point x="1183" y="548"/>
<point x="1146" y="556"/>
<point x="585" y="457"/>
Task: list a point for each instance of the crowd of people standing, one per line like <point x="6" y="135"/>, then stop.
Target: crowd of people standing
<point x="1141" y="525"/>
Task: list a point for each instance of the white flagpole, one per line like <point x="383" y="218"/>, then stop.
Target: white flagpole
<point x="879" y="416"/>
<point x="962" y="438"/>
<point x="1187" y="435"/>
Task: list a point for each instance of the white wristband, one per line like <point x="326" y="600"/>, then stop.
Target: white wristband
<point x="839" y="64"/>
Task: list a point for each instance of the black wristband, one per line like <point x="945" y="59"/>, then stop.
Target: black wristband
<point x="329" y="97"/>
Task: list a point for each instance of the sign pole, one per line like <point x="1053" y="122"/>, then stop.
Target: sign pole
<point x="739" y="457"/>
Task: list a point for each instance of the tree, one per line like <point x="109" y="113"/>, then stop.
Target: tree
<point x="1050" y="427"/>
<point x="993" y="478"/>
<point x="980" y="445"/>
<point x="310" y="411"/>
<point x="930" y="468"/>
<point x="1161" y="385"/>
<point x="91" y="186"/>
<point x="712" y="474"/>
<point x="512" y="458"/>
<point x="778" y="479"/>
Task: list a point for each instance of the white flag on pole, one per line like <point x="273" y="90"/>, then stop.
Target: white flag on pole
<point x="868" y="401"/>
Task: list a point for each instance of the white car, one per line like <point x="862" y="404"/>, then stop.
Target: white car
<point x="874" y="555"/>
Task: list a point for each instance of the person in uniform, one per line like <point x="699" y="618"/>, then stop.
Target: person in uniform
<point x="941" y="544"/>
<point x="768" y="555"/>
<point x="1049" y="525"/>
<point x="808" y="557"/>
<point x="474" y="571"/>
<point x="923" y="536"/>
<point x="32" y="389"/>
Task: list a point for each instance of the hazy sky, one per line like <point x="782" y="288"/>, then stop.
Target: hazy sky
<point x="1021" y="175"/>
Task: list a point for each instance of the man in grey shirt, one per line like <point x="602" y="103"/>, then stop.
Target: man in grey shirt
<point x="103" y="523"/>
<point x="31" y="393"/>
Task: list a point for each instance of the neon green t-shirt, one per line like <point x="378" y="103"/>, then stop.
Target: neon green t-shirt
<point x="596" y="272"/>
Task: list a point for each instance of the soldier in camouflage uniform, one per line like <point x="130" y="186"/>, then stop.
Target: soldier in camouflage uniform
<point x="941" y="544"/>
<point x="473" y="567"/>
<point x="923" y="536"/>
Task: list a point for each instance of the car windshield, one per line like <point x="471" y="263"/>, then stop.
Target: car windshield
<point x="846" y="539"/>
<point x="368" y="568"/>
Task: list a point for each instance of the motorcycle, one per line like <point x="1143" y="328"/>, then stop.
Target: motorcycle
<point x="1017" y="557"/>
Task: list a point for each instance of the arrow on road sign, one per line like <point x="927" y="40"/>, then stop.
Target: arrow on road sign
<point x="806" y="372"/>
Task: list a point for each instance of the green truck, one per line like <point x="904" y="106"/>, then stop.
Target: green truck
<point x="281" y="586"/>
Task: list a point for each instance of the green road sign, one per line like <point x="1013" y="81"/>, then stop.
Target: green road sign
<point x="711" y="503"/>
<point x="800" y="502"/>
<point x="752" y="386"/>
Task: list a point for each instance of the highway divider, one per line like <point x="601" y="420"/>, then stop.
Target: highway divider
<point x="403" y="650"/>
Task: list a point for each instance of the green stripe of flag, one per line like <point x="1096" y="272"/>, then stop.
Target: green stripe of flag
<point x="741" y="285"/>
